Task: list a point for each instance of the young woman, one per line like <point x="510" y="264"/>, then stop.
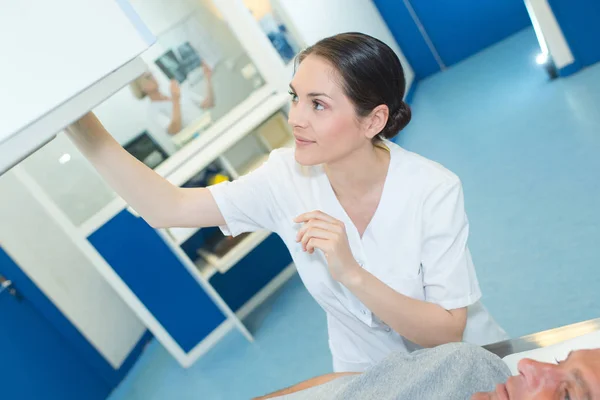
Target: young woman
<point x="378" y="234"/>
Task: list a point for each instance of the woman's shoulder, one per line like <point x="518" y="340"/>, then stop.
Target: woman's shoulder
<point x="422" y="168"/>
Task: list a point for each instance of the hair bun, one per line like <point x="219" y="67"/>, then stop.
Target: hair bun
<point x="397" y="121"/>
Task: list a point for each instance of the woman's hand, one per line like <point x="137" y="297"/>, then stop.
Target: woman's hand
<point x="323" y="232"/>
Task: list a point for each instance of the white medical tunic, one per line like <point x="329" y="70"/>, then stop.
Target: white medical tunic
<point x="416" y="243"/>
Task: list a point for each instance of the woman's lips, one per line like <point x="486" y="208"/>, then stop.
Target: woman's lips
<point x="303" y="142"/>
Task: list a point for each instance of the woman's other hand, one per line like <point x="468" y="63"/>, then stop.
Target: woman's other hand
<point x="323" y="232"/>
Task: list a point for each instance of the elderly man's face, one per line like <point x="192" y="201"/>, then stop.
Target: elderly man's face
<point x="576" y="378"/>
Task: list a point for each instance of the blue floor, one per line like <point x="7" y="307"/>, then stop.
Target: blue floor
<point x="528" y="152"/>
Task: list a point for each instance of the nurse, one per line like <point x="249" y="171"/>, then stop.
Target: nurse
<point x="175" y="112"/>
<point x="378" y="234"/>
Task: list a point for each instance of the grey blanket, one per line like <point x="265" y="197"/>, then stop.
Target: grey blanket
<point x="453" y="371"/>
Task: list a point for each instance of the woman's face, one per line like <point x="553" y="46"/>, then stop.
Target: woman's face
<point x="148" y="83"/>
<point x="323" y="118"/>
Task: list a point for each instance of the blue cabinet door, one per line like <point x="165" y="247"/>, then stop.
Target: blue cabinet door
<point x="37" y="361"/>
<point x="252" y="273"/>
<point x="461" y="28"/>
<point x="157" y="277"/>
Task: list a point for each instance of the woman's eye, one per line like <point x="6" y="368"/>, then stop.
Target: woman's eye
<point x="294" y="96"/>
<point x="318" y="106"/>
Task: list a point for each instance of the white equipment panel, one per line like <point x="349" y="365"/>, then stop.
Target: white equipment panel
<point x="61" y="59"/>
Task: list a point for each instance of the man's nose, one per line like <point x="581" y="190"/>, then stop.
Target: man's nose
<point x="538" y="373"/>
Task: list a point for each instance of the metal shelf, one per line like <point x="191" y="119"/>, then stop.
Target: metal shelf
<point x="233" y="256"/>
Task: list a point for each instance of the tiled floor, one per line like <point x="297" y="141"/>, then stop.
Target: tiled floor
<point x="528" y="152"/>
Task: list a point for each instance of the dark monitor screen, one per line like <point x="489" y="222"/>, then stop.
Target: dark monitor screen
<point x="145" y="149"/>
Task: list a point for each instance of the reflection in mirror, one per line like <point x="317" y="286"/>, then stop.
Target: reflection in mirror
<point x="197" y="73"/>
<point x="276" y="25"/>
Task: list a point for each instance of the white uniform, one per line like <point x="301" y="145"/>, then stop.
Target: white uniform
<point x="161" y="111"/>
<point x="416" y="243"/>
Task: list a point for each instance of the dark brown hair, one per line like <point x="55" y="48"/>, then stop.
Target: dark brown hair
<point x="371" y="75"/>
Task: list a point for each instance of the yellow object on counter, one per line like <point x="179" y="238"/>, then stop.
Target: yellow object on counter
<point x="218" y="178"/>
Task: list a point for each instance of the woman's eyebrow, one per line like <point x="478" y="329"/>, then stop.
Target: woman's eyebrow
<point x="312" y="94"/>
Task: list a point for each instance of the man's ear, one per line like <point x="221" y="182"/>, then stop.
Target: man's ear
<point x="376" y="120"/>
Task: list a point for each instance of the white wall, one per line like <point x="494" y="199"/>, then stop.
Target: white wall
<point x="317" y="19"/>
<point x="549" y="33"/>
<point x="54" y="55"/>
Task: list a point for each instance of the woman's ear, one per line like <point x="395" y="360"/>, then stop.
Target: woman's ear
<point x="376" y="120"/>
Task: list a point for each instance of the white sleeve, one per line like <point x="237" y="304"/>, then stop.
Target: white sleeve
<point x="196" y="98"/>
<point x="448" y="272"/>
<point x="160" y="119"/>
<point x="248" y="204"/>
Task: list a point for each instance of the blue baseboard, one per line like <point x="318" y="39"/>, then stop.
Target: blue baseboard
<point x="569" y="69"/>
<point x="411" y="92"/>
<point x="133" y="357"/>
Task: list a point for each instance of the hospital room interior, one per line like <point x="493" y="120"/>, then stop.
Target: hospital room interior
<point x="102" y="296"/>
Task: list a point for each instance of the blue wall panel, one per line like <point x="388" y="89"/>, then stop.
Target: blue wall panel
<point x="461" y="28"/>
<point x="410" y="40"/>
<point x="580" y="22"/>
<point x="148" y="266"/>
<point x="458" y="29"/>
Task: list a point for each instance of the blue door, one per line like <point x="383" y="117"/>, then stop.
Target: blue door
<point x="36" y="360"/>
<point x="157" y="277"/>
<point x="456" y="29"/>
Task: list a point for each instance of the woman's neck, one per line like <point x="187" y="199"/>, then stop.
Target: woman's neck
<point x="359" y="172"/>
<point x="157" y="96"/>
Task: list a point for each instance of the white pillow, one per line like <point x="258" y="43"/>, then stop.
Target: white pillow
<point x="558" y="351"/>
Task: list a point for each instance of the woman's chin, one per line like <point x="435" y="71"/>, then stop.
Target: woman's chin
<point x="306" y="159"/>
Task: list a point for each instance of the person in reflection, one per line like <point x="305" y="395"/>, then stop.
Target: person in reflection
<point x="457" y="371"/>
<point x="175" y="112"/>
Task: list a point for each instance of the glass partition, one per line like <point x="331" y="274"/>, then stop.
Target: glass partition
<point x="197" y="73"/>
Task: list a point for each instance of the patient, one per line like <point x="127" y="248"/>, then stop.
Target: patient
<point x="457" y="371"/>
<point x="575" y="378"/>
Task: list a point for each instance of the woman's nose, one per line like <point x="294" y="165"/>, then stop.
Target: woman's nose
<point x="296" y="117"/>
<point x="538" y="373"/>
